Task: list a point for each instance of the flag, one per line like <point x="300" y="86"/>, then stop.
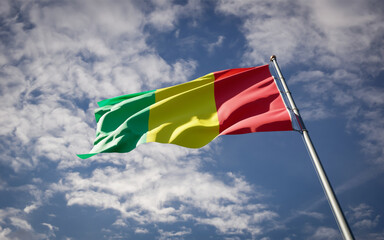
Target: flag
<point x="192" y="114"/>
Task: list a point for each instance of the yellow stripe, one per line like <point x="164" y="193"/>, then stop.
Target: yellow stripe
<point x="185" y="114"/>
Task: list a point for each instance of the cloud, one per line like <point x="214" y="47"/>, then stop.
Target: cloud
<point x="373" y="130"/>
<point x="316" y="215"/>
<point x="141" y="231"/>
<point x="164" y="15"/>
<point x="343" y="93"/>
<point x="20" y="223"/>
<point x="15" y="225"/>
<point x="162" y="186"/>
<point x="325" y="233"/>
<point x="367" y="223"/>
<point x="211" y="46"/>
<point x="4" y="232"/>
<point x="363" y="217"/>
<point x="322" y="32"/>
<point x="174" y="235"/>
<point x="33" y="193"/>
<point x="50" y="226"/>
<point x="52" y="229"/>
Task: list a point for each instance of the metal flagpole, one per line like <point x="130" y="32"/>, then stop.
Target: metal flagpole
<point x="335" y="206"/>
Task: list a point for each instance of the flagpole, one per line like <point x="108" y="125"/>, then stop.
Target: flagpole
<point x="335" y="206"/>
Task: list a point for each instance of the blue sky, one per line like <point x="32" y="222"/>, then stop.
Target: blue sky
<point x="58" y="58"/>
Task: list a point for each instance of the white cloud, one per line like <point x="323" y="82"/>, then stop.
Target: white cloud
<point x="30" y="208"/>
<point x="302" y="32"/>
<point x="264" y="32"/>
<point x="120" y="222"/>
<point x="50" y="226"/>
<point x="4" y="233"/>
<point x="160" y="186"/>
<point x="315" y="215"/>
<point x="16" y="226"/>
<point x="350" y="27"/>
<point x="211" y="46"/>
<point x="367" y="223"/>
<point x="141" y="231"/>
<point x="165" y="14"/>
<point x="363" y="217"/>
<point x="52" y="229"/>
<point x="20" y="223"/>
<point x="360" y="105"/>
<point x="325" y="233"/>
<point x="368" y="121"/>
<point x="174" y="235"/>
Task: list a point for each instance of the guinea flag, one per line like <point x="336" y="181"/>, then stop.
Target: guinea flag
<point x="192" y="114"/>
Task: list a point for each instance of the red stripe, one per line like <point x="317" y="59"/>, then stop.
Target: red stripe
<point x="247" y="100"/>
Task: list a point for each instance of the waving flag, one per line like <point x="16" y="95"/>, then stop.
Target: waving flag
<point x="192" y="114"/>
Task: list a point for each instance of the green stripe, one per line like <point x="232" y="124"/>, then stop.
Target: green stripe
<point x="85" y="156"/>
<point x="122" y="122"/>
<point x="107" y="104"/>
<point x="112" y="101"/>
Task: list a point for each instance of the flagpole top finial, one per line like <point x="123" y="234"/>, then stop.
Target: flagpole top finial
<point x="273" y="57"/>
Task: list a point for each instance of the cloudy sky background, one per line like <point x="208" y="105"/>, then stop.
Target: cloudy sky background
<point x="58" y="58"/>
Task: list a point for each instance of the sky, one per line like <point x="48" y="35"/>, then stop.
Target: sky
<point x="59" y="58"/>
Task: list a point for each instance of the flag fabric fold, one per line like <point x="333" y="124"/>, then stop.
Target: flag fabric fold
<point x="192" y="114"/>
